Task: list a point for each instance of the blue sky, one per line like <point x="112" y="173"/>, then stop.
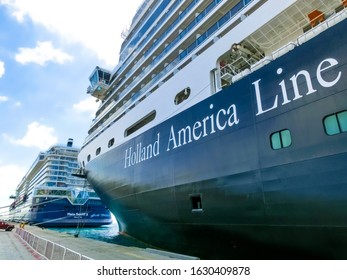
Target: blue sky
<point x="48" y="49"/>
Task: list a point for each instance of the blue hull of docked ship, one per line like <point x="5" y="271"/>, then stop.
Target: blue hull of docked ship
<point x="208" y="182"/>
<point x="62" y="213"/>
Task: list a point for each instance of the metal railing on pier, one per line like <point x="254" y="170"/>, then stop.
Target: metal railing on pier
<point x="48" y="249"/>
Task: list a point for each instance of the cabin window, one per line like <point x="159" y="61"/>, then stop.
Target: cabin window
<point x="110" y="143"/>
<point x="335" y="123"/>
<point x="136" y="126"/>
<point x="98" y="150"/>
<point x="181" y="96"/>
<point x="196" y="202"/>
<point x="88" y="158"/>
<point x="281" y="139"/>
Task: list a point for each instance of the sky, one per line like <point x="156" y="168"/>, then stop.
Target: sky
<point x="48" y="49"/>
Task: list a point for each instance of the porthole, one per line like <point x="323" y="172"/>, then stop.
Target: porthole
<point x="98" y="150"/>
<point x="181" y="96"/>
<point x="110" y="143"/>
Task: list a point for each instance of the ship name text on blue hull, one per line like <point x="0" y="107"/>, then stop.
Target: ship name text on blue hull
<point x="76" y="215"/>
<point x="323" y="66"/>
<point x="177" y="138"/>
<point x="227" y="117"/>
<point x="203" y="128"/>
<point x="141" y="153"/>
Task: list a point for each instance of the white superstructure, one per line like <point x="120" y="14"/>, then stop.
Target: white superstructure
<point x="178" y="53"/>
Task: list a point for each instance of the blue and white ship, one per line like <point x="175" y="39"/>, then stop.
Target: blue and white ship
<point x="49" y="195"/>
<point x="221" y="133"/>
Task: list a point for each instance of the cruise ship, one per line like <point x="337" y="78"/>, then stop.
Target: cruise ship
<point x="221" y="132"/>
<point x="49" y="195"/>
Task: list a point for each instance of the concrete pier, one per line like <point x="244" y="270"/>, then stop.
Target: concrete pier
<point x="13" y="248"/>
<point x="33" y="242"/>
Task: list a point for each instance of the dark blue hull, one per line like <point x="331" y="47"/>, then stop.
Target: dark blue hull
<point x="62" y="213"/>
<point x="212" y="181"/>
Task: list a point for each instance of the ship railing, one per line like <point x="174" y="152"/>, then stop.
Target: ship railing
<point x="283" y="50"/>
<point x="100" y="125"/>
<point x="240" y="75"/>
<point x="232" y="13"/>
<point x="47" y="249"/>
<point x="329" y="22"/>
<point x="312" y="33"/>
<point x="96" y="130"/>
<point x="261" y="63"/>
<point x="227" y="71"/>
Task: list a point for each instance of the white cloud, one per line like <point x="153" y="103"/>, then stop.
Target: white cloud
<point x="37" y="135"/>
<point x="3" y="98"/>
<point x="41" y="54"/>
<point x="2" y="68"/>
<point x="88" y="105"/>
<point x="96" y="24"/>
<point x="10" y="175"/>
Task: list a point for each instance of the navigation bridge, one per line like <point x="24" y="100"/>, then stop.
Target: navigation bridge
<point x="99" y="83"/>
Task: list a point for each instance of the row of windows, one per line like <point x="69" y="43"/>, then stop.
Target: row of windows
<point x="142" y="122"/>
<point x="155" y="43"/>
<point x="213" y="28"/>
<point x="180" y="56"/>
<point x="143" y="29"/>
<point x="71" y="158"/>
<point x="230" y="14"/>
<point x="333" y="124"/>
<point x="159" y="24"/>
<point x="64" y="163"/>
<point x="168" y="47"/>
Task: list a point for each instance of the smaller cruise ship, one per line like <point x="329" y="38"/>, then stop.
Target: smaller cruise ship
<point x="49" y="195"/>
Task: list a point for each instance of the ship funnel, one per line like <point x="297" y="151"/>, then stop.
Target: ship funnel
<point x="69" y="142"/>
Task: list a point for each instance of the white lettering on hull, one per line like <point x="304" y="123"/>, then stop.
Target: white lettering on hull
<point x="141" y="153"/>
<point x="227" y="117"/>
<point x="324" y="65"/>
<point x="207" y="126"/>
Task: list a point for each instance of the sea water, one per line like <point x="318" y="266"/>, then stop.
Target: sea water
<point x="108" y="233"/>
